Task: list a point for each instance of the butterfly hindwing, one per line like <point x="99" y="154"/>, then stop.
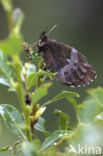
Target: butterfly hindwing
<point x="78" y="72"/>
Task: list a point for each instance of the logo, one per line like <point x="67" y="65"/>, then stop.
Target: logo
<point x="85" y="149"/>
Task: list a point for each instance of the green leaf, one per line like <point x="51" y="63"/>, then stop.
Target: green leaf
<point x="86" y="135"/>
<point x="63" y="120"/>
<point x="34" y="55"/>
<point x="7" y="5"/>
<point x="93" y="105"/>
<point x="54" y="137"/>
<point x="31" y="79"/>
<point x="12" y="117"/>
<point x="4" y="81"/>
<point x="9" y="147"/>
<point x="31" y="148"/>
<point x="90" y="109"/>
<point x="7" y="70"/>
<point x="64" y="94"/>
<point x="5" y="148"/>
<point x="3" y="57"/>
<point x="28" y="149"/>
<point x="18" y="17"/>
<point x="30" y="69"/>
<point x="99" y="117"/>
<point x="40" y="126"/>
<point x="97" y="93"/>
<point x="32" y="75"/>
<point x="40" y="92"/>
<point x="7" y="73"/>
<point x="12" y="45"/>
<point x="29" y="72"/>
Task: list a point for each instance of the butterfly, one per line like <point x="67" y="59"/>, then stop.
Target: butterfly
<point x="71" y="66"/>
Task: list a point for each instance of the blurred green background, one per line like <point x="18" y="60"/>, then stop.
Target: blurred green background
<point x="80" y="24"/>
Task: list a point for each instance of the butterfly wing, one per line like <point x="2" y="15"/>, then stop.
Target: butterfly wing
<point x="71" y="66"/>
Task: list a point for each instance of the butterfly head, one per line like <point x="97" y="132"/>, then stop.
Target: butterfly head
<point x="42" y="42"/>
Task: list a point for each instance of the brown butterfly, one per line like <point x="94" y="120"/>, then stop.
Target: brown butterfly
<point x="71" y="66"/>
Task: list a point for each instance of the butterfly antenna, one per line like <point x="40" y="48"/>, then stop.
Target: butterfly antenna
<point x="52" y="29"/>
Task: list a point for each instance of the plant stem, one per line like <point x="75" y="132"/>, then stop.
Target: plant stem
<point x="41" y="66"/>
<point x="20" y="91"/>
